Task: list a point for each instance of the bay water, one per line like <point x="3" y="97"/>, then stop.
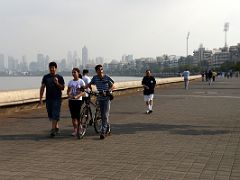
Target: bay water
<point x="33" y="82"/>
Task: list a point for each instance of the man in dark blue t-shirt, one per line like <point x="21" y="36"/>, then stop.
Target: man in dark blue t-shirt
<point x="54" y="84"/>
<point x="148" y="83"/>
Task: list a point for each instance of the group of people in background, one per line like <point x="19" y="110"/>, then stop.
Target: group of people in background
<point x="209" y="76"/>
<point x="78" y="90"/>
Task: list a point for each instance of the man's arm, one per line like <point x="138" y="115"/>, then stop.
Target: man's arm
<point x="41" y="92"/>
<point x="112" y="87"/>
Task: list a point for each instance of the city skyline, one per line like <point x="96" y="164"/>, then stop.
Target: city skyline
<point x="111" y="29"/>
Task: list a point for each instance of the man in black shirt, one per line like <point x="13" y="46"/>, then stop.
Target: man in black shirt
<point x="148" y="83"/>
<point x="54" y="84"/>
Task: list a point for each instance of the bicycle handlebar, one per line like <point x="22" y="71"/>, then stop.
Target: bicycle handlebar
<point x="100" y="93"/>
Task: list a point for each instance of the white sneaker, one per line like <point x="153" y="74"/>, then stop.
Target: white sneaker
<point x="74" y="133"/>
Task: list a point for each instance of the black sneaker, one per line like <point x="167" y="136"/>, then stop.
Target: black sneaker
<point x="57" y="131"/>
<point x="52" y="133"/>
<point x="102" y="136"/>
<point x="150" y="111"/>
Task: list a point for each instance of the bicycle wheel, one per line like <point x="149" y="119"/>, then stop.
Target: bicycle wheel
<point x="97" y="122"/>
<point x="84" y="121"/>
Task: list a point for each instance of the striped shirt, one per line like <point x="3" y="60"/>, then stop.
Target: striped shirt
<point x="102" y="84"/>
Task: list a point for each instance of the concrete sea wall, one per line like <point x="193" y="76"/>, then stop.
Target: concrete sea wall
<point x="25" y="97"/>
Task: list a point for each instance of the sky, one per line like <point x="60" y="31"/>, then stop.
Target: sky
<point x="112" y="28"/>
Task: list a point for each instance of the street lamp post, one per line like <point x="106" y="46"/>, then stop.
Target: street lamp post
<point x="188" y="34"/>
<point x="226" y="28"/>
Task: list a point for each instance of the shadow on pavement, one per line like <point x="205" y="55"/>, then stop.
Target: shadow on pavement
<point x="133" y="128"/>
<point x="64" y="134"/>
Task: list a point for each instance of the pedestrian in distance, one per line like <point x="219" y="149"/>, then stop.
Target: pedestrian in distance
<point x="86" y="80"/>
<point x="54" y="84"/>
<point x="186" y="75"/>
<point x="202" y="76"/>
<point x="214" y="75"/>
<point x="149" y="84"/>
<point x="210" y="77"/>
<point x="75" y="92"/>
<point x="105" y="86"/>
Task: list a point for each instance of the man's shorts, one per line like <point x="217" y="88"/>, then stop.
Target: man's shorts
<point x="53" y="109"/>
<point x="148" y="97"/>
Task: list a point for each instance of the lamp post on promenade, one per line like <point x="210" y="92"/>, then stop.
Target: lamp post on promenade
<point x="226" y="28"/>
<point x="188" y="34"/>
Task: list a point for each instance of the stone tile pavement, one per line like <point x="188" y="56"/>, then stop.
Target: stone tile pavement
<point x="191" y="135"/>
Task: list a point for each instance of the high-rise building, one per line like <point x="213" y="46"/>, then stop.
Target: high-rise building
<point x="47" y="61"/>
<point x="219" y="57"/>
<point x="41" y="62"/>
<point x="2" y="66"/>
<point x="69" y="60"/>
<point x="12" y="64"/>
<point x="75" y="59"/>
<point x="202" y="56"/>
<point x="63" y="65"/>
<point x="99" y="60"/>
<point x="84" y="57"/>
<point x="129" y="58"/>
<point x="23" y="66"/>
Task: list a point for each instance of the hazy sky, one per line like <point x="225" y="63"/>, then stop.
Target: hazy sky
<point x="111" y="28"/>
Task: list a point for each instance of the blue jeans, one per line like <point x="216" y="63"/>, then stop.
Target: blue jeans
<point x="105" y="109"/>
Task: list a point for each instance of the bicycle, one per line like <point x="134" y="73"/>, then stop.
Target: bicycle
<point x="87" y="118"/>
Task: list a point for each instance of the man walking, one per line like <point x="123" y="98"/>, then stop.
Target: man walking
<point x="186" y="75"/>
<point x="86" y="80"/>
<point x="104" y="85"/>
<point x="149" y="84"/>
<point x="54" y="84"/>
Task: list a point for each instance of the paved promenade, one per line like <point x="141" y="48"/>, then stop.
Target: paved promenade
<point x="192" y="134"/>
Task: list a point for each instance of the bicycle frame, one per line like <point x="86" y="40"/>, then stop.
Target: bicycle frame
<point x="86" y="113"/>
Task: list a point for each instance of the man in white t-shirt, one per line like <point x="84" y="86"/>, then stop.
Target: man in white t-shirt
<point x="186" y="75"/>
<point x="86" y="79"/>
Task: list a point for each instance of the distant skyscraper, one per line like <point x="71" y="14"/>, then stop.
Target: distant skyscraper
<point x="63" y="65"/>
<point x="84" y="56"/>
<point x="129" y="58"/>
<point x="46" y="62"/>
<point x="99" y="60"/>
<point x="69" y="60"/>
<point x="41" y="62"/>
<point x="23" y="66"/>
<point x="2" y="66"/>
<point x="75" y="59"/>
<point x="12" y="63"/>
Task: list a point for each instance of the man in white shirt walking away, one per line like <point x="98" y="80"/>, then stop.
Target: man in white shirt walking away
<point x="186" y="75"/>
